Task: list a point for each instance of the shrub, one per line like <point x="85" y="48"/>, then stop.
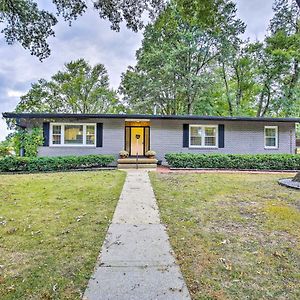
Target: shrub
<point x="61" y="163"/>
<point x="4" y="150"/>
<point x="28" y="140"/>
<point x="32" y="140"/>
<point x="234" y="161"/>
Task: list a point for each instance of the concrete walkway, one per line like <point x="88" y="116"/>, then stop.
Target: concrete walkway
<point x="136" y="261"/>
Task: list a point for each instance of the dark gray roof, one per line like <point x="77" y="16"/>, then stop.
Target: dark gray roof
<point x="141" y="116"/>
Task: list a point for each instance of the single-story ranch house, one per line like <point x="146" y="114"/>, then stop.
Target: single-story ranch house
<point x="81" y="134"/>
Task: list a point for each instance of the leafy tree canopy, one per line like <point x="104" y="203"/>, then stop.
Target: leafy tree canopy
<point x="175" y="64"/>
<point x="79" y="88"/>
<point x="29" y="25"/>
<point x="186" y="67"/>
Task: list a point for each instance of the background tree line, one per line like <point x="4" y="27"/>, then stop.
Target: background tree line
<point x="185" y="67"/>
<point x="193" y="60"/>
<point x="78" y="88"/>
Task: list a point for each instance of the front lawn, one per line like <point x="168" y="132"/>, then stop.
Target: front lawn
<point x="236" y="236"/>
<point x="52" y="227"/>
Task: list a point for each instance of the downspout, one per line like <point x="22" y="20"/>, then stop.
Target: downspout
<point x="293" y="133"/>
<point x="291" y="141"/>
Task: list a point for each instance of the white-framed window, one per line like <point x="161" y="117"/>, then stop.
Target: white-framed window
<point x="271" y="137"/>
<point x="203" y="136"/>
<point x="72" y="134"/>
<point x="56" y="134"/>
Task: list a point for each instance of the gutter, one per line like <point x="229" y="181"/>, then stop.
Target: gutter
<point x="142" y="116"/>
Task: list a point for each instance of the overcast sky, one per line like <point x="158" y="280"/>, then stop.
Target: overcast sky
<point x="92" y="39"/>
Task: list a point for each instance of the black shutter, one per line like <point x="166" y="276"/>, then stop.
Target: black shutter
<point x="46" y="135"/>
<point x="99" y="142"/>
<point x="221" y="131"/>
<point x="185" y="137"/>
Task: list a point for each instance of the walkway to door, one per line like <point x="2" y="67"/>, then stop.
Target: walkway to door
<point x="136" y="260"/>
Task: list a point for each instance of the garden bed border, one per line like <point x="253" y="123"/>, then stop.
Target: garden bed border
<point x="60" y="171"/>
<point x="235" y="170"/>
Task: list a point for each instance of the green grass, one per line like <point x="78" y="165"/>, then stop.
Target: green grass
<point x="52" y="227"/>
<point x="236" y="236"/>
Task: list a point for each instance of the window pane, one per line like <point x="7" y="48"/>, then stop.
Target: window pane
<point x="196" y="136"/>
<point x="90" y="139"/>
<point x="270" y="142"/>
<point x="271" y="132"/>
<point x="196" y="131"/>
<point x="196" y="141"/>
<point x="90" y="130"/>
<point x="210" y="131"/>
<point x="73" y="134"/>
<point x="90" y="135"/>
<point x="56" y="129"/>
<point x="56" y="139"/>
<point x="210" y="136"/>
<point x="210" y="141"/>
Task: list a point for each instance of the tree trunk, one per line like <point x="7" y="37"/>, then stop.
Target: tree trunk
<point x="260" y="103"/>
<point x="189" y="107"/>
<point x="297" y="177"/>
<point x="239" y="92"/>
<point x="227" y="90"/>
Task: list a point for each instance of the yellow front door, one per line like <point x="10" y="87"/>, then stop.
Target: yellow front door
<point x="137" y="141"/>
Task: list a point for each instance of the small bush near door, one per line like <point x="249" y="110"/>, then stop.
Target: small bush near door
<point x="61" y="163"/>
<point x="234" y="161"/>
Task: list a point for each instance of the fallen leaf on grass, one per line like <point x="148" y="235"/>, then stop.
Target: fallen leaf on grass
<point x="3" y="223"/>
<point x="78" y="218"/>
<point x="11" y="230"/>
<point x="11" y="288"/>
<point x="35" y="232"/>
<point x="224" y="242"/>
<point x="226" y="264"/>
<point x="277" y="254"/>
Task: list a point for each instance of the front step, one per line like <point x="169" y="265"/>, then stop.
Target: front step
<point x="139" y="166"/>
<point x="133" y="163"/>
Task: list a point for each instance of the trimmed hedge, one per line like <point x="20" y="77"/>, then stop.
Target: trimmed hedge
<point x="59" y="163"/>
<point x="234" y="161"/>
